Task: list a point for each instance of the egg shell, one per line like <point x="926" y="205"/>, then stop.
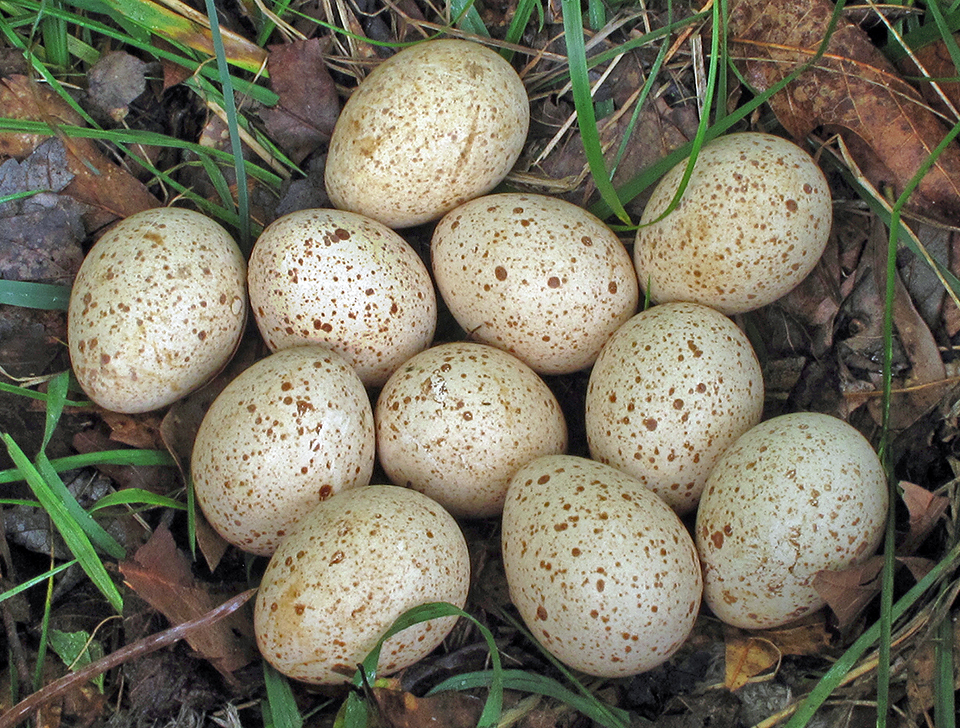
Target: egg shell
<point x="291" y="430"/>
<point x="157" y="309"/>
<point x="354" y="565"/>
<point x="672" y="389"/>
<point x="435" y="125"/>
<point x="602" y="571"/>
<point x="535" y="276"/>
<point x="344" y="280"/>
<point x="796" y="494"/>
<point x="752" y="223"/>
<point x="458" y="420"/>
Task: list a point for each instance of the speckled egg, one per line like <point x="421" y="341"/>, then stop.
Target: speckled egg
<point x="439" y="123"/>
<point x="458" y="420"/>
<point x="602" y="571"/>
<point x="157" y="309"/>
<point x="290" y="431"/>
<point x="354" y="565"/>
<point x="535" y="276"/>
<point x="344" y="280"/>
<point x="672" y="389"/>
<point x="794" y="495"/>
<point x="752" y="223"/>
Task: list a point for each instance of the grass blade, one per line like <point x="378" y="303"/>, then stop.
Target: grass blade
<point x="527" y="682"/>
<point x="583" y="101"/>
<point x="34" y="295"/>
<point x="466" y="17"/>
<point x="76" y="540"/>
<point x="104" y="457"/>
<point x="519" y="23"/>
<point x="355" y="710"/>
<point x="280" y="704"/>
<point x="236" y="146"/>
<point x="138" y="496"/>
<point x="22" y="587"/>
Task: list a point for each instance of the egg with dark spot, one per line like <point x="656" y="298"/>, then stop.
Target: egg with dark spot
<point x="535" y="276"/>
<point x="352" y="566"/>
<point x="157" y="309"/>
<point x="752" y="223"/>
<point x="346" y="281"/>
<point x="290" y="431"/>
<point x="795" y="495"/>
<point x="439" y="123"/>
<point x="458" y="420"/>
<point x="671" y="390"/>
<point x="602" y="571"/>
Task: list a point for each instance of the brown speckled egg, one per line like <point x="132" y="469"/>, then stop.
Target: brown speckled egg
<point x="157" y="309"/>
<point x="752" y="223"/>
<point x="535" y="276"/>
<point x="794" y="495"/>
<point x="602" y="571"/>
<point x="344" y="280"/>
<point x="288" y="432"/>
<point x="458" y="420"/>
<point x="354" y="565"/>
<point x="672" y="389"/>
<point x="437" y="124"/>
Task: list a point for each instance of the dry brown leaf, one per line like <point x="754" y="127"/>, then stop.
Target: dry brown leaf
<point x="851" y="89"/>
<point x="161" y="574"/>
<point x="926" y="509"/>
<point x="304" y="116"/>
<point x="452" y="709"/>
<point x="937" y="64"/>
<point x="847" y="592"/>
<point x="747" y="657"/>
<point x="809" y="636"/>
<point x="111" y="191"/>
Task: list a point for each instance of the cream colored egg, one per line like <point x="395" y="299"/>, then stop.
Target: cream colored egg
<point x="435" y="125"/>
<point x="752" y="223"/>
<point x="602" y="571"/>
<point x="672" y="389"/>
<point x="287" y="433"/>
<point x="535" y="276"/>
<point x="157" y="309"/>
<point x="795" y="495"/>
<point x="354" y="565"/>
<point x="457" y="421"/>
<point x="344" y="280"/>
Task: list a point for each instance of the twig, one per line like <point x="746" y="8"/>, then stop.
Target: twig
<point x="22" y="710"/>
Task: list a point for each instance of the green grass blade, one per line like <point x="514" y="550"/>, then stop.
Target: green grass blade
<point x="54" y="32"/>
<point x="24" y="392"/>
<point x="518" y="24"/>
<point x="76" y="540"/>
<point x="944" y="695"/>
<point x="282" y="707"/>
<point x="586" y="118"/>
<point x="34" y="295"/>
<point x="355" y="710"/>
<point x="104" y="457"/>
<point x="138" y="497"/>
<point x="832" y="679"/>
<point x="23" y="586"/>
<point x="527" y="682"/>
<point x="466" y="17"/>
<point x="236" y="145"/>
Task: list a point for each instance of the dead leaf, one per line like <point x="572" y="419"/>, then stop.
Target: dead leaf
<point x="111" y="191"/>
<point x="926" y="509"/>
<point x="115" y="80"/>
<point x="847" y="592"/>
<point x="40" y="235"/>
<point x="852" y="89"/>
<point x="304" y="116"/>
<point x="452" y="709"/>
<point x="936" y="61"/>
<point x="808" y="636"/>
<point x="161" y="574"/>
<point x="135" y="430"/>
<point x="748" y="657"/>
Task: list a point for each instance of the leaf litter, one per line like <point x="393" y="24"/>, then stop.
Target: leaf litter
<point x="820" y="342"/>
